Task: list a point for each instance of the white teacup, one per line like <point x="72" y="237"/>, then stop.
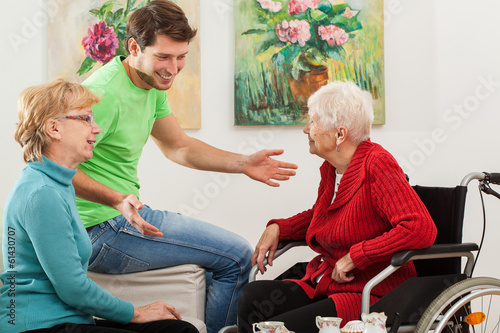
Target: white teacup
<point x="270" y="327"/>
<point x="328" y="324"/>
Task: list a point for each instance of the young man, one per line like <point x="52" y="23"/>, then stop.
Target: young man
<point x="133" y="107"/>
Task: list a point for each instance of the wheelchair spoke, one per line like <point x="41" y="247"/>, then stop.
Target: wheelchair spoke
<point x="467" y="306"/>
<point x="497" y="326"/>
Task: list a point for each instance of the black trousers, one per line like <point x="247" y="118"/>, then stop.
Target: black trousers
<point x="104" y="326"/>
<point x="281" y="301"/>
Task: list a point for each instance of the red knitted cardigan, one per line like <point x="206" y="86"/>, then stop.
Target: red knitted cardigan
<point x="375" y="214"/>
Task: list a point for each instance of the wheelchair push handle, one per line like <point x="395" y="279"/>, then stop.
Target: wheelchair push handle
<point x="493" y="178"/>
<point x="485" y="187"/>
<point x="484" y="177"/>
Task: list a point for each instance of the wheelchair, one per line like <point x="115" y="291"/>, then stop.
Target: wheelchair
<point x="443" y="297"/>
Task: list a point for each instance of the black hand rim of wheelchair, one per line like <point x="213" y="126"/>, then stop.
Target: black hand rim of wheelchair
<point x="453" y="293"/>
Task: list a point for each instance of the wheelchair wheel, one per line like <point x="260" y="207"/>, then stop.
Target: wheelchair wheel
<point x="471" y="305"/>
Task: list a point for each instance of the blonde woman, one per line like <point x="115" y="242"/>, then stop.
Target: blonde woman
<point x="46" y="249"/>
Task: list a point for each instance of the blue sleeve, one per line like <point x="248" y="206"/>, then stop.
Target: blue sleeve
<point x="49" y="224"/>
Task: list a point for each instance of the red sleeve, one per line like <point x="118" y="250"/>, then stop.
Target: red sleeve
<point x="295" y="227"/>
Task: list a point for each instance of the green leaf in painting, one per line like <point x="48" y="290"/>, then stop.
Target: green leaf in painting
<point x="94" y="12"/>
<point x="109" y="21"/>
<point x="287" y="55"/>
<point x="303" y="65"/>
<point x="337" y="9"/>
<point x="254" y="31"/>
<point x="105" y="9"/>
<point x="295" y="68"/>
<point x="290" y="52"/>
<point x="121" y="50"/>
<point x="86" y="66"/>
<point x="269" y="40"/>
<point x="335" y="52"/>
<point x="318" y="15"/>
<point x="141" y="4"/>
<point x="301" y="16"/>
<point x="314" y="57"/>
<point x="118" y="15"/>
<point x="325" y="6"/>
<point x="129" y="7"/>
<point x="347" y="24"/>
<point x="339" y="20"/>
<point x="120" y="31"/>
<point x="353" y="25"/>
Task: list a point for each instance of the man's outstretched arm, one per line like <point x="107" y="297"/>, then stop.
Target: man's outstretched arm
<point x="187" y="151"/>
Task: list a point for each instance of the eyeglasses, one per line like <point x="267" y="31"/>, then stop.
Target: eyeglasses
<point x="89" y="118"/>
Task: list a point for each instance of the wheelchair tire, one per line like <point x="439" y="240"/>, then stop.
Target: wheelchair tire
<point x="460" y="295"/>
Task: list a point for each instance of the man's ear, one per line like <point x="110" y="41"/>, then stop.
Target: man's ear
<point x="53" y="129"/>
<point x="133" y="47"/>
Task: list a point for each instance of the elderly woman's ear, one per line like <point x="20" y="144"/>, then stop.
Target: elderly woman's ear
<point x="342" y="133"/>
<point x="52" y="127"/>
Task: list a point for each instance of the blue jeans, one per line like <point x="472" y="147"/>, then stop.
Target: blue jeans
<point x="117" y="247"/>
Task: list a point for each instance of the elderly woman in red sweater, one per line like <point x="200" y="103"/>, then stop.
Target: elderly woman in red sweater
<point x="365" y="212"/>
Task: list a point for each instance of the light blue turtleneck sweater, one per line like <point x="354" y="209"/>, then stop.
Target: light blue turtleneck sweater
<point x="46" y="252"/>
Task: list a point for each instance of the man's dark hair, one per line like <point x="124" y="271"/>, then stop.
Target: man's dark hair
<point x="159" y="17"/>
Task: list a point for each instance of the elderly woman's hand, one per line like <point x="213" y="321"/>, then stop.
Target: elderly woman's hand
<point x="153" y="312"/>
<point x="268" y="243"/>
<point x="344" y="265"/>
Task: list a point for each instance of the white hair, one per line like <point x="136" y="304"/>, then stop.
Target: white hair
<point x="343" y="104"/>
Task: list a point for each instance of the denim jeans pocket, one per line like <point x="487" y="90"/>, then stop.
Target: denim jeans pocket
<point x="112" y="261"/>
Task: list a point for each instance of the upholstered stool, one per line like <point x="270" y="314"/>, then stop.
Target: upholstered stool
<point x="182" y="286"/>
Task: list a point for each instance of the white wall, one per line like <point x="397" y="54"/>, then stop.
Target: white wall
<point x="438" y="56"/>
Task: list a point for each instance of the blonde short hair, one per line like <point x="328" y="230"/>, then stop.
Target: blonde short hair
<point x="37" y="104"/>
<point x="343" y="104"/>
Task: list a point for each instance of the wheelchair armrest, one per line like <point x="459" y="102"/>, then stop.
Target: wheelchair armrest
<point x="402" y="257"/>
<point x="287" y="245"/>
<point x="282" y="248"/>
<point x="435" y="251"/>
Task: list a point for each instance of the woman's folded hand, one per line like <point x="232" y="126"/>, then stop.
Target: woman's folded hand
<point x="153" y="312"/>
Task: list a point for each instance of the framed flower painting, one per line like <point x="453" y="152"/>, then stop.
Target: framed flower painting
<point x="287" y="49"/>
<point x="88" y="34"/>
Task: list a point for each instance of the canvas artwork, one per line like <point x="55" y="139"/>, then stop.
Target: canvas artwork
<point x="287" y="49"/>
<point x="85" y="35"/>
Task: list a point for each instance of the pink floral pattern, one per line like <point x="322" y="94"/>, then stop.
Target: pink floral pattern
<point x="299" y="6"/>
<point x="271" y="5"/>
<point x="350" y="13"/>
<point x="294" y="31"/>
<point x="101" y="43"/>
<point x="333" y="35"/>
<point x="305" y="34"/>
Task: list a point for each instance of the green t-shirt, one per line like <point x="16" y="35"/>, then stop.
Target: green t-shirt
<point x="126" y="115"/>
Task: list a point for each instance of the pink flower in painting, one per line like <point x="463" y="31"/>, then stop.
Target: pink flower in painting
<point x="294" y="31"/>
<point x="271" y="5"/>
<point x="333" y="35"/>
<point x="101" y="43"/>
<point x="296" y="7"/>
<point x="311" y="3"/>
<point x="350" y="13"/>
<point x="300" y="6"/>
